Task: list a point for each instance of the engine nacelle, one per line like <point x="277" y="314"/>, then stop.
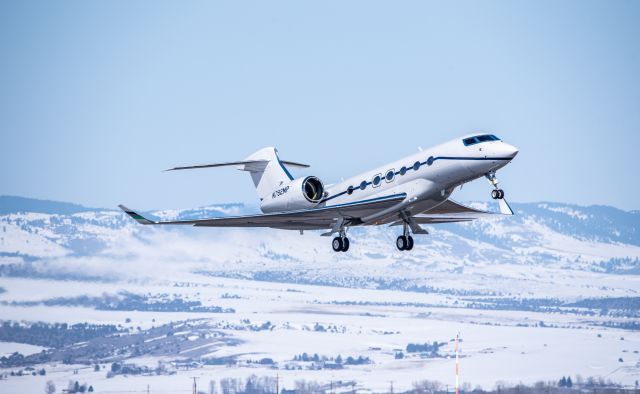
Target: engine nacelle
<point x="300" y="193"/>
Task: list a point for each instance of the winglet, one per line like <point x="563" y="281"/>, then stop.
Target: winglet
<point x="505" y="209"/>
<point x="136" y="216"/>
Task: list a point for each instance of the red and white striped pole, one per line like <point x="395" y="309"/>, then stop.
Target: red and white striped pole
<point x="457" y="363"/>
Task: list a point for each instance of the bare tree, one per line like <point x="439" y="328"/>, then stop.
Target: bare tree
<point x="231" y="385"/>
<point x="426" y="387"/>
<point x="49" y="387"/>
<point x="225" y="385"/>
<point x="212" y="387"/>
<point x="308" y="387"/>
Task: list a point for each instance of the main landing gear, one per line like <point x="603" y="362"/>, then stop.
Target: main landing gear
<point x="341" y="242"/>
<point x="496" y="193"/>
<point x="405" y="241"/>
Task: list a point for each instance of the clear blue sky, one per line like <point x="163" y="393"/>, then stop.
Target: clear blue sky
<point x="96" y="98"/>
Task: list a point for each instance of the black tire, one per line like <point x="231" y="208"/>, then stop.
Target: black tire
<point x="500" y="194"/>
<point x="495" y="194"/>
<point x="337" y="244"/>
<point x="409" y="243"/>
<point x="401" y="242"/>
<point x="345" y="244"/>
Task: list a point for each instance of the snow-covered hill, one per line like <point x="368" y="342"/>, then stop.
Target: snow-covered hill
<point x="529" y="253"/>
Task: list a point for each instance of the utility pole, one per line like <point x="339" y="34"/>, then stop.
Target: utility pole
<point x="277" y="384"/>
<point x="147" y="389"/>
<point x="457" y="362"/>
<point x="195" y="386"/>
<point x="391" y="386"/>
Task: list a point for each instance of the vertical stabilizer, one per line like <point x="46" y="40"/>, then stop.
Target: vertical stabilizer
<point x="267" y="171"/>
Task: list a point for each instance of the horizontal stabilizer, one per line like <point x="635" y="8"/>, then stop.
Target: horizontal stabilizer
<point x="249" y="165"/>
<point x="229" y="163"/>
<point x="294" y="164"/>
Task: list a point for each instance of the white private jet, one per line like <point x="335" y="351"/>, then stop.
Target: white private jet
<point x="412" y="191"/>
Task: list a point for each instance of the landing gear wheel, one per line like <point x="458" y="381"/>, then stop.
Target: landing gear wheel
<point x="345" y="244"/>
<point x="402" y="242"/>
<point x="497" y="194"/>
<point x="337" y="244"/>
<point x="409" y="243"/>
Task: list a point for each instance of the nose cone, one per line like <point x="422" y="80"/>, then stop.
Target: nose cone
<point x="509" y="151"/>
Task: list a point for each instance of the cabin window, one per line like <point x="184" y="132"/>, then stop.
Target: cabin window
<point x="403" y="170"/>
<point x="430" y="160"/>
<point x="389" y="176"/>
<point x="350" y="190"/>
<point x="363" y="185"/>
<point x="376" y="180"/>
<point x="416" y="166"/>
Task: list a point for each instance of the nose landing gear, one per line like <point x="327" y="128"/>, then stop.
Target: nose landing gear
<point x="496" y="193"/>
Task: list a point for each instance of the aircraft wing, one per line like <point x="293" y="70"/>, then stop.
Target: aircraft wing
<point x="452" y="207"/>
<point x="304" y="219"/>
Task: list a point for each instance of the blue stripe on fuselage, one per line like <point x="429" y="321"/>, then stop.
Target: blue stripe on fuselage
<point x="410" y="168"/>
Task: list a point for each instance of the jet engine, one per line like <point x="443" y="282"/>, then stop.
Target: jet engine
<point x="300" y="193"/>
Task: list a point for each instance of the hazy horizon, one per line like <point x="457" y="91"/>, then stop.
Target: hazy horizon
<point x="255" y="204"/>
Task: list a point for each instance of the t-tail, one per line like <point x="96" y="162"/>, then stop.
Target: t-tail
<point x="265" y="167"/>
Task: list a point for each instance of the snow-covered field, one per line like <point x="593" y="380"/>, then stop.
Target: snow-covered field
<point x="497" y="345"/>
<point x="6" y="348"/>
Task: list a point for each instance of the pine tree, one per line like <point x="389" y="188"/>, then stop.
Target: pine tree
<point x="562" y="382"/>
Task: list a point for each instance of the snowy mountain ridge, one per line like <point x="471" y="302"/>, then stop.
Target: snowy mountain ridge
<point x="556" y="238"/>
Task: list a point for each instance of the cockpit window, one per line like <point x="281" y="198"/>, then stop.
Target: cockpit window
<point x="479" y="138"/>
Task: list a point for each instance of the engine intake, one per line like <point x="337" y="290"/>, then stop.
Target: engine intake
<point x="312" y="189"/>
